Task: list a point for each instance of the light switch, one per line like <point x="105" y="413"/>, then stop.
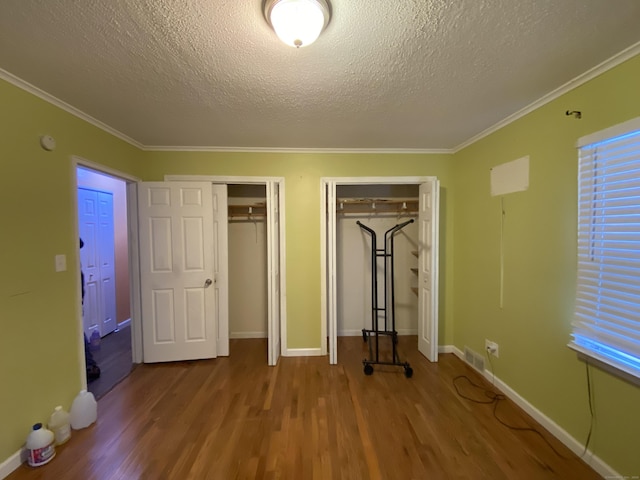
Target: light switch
<point x="61" y="263"/>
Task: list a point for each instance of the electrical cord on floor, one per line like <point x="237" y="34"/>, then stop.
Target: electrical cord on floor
<point x="495" y="398"/>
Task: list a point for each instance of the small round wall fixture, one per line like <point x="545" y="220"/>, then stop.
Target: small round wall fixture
<point x="297" y="23"/>
<point x="47" y="142"/>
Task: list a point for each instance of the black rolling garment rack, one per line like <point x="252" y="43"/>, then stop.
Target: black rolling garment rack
<point x="387" y="311"/>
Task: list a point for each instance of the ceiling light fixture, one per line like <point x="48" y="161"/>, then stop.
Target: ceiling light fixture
<point x="297" y="23"/>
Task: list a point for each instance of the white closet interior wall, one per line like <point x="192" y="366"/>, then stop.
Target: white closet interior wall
<point x="247" y="265"/>
<point x="354" y="261"/>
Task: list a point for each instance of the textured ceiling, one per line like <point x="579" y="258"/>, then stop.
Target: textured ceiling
<point x="405" y="74"/>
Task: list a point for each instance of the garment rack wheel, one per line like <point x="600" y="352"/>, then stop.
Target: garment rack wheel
<point x="368" y="369"/>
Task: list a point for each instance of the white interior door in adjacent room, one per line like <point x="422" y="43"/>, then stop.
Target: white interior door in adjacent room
<point x="427" y="270"/>
<point x="177" y="271"/>
<point x="97" y="258"/>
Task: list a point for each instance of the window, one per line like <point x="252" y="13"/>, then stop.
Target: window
<point x="607" y="313"/>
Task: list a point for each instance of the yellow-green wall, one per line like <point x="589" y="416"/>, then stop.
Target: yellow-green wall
<point x="39" y="340"/>
<point x="39" y="363"/>
<point x="39" y="306"/>
<point x="534" y="325"/>
<point x="302" y="174"/>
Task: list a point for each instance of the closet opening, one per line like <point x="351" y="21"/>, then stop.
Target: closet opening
<point x="247" y="257"/>
<point x="380" y="204"/>
<point x="254" y="217"/>
<point x="380" y="208"/>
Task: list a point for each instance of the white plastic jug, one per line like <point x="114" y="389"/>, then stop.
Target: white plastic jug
<point x="60" y="425"/>
<point x="40" y="446"/>
<point x="84" y="410"/>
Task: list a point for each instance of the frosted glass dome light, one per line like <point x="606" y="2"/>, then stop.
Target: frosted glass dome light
<point x="297" y="23"/>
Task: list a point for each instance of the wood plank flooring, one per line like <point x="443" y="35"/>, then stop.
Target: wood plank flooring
<point x="114" y="359"/>
<point x="237" y="418"/>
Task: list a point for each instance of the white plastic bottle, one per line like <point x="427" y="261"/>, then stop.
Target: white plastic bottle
<point x="84" y="410"/>
<point x="60" y="425"/>
<point x="40" y="446"/>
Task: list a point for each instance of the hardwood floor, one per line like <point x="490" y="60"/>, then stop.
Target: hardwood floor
<point x="237" y="418"/>
<point x="114" y="359"/>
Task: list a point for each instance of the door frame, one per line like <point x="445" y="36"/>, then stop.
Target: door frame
<point x="328" y="281"/>
<point x="134" y="271"/>
<point x="266" y="181"/>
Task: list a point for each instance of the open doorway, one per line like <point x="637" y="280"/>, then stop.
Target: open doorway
<point x="104" y="260"/>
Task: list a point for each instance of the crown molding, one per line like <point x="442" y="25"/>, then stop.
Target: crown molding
<point x="160" y="148"/>
<point x="590" y="74"/>
<point x="47" y="97"/>
<point x="581" y="79"/>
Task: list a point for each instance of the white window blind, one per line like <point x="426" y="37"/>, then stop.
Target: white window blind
<point x="607" y="314"/>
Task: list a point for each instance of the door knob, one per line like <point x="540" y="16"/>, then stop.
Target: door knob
<point x="208" y="282"/>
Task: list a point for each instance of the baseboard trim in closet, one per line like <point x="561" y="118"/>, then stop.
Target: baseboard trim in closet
<point x="302" y="352"/>
<point x="357" y="333"/>
<point x="248" y="335"/>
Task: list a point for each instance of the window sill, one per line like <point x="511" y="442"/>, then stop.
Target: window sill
<point x="600" y="362"/>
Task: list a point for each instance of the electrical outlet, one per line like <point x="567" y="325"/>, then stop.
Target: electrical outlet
<point x="492" y="348"/>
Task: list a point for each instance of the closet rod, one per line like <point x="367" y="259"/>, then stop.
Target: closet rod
<point x="252" y="210"/>
<point x="373" y="205"/>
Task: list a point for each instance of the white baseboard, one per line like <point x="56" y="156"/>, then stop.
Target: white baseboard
<point x="303" y="352"/>
<point x="574" y="445"/>
<point x="407" y="332"/>
<point x="358" y="333"/>
<point x="349" y="333"/>
<point x="12" y="463"/>
<point x="446" y="349"/>
<point x="124" y="323"/>
<point x="248" y="335"/>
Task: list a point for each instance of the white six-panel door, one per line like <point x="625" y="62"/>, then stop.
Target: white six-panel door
<point x="427" y="270"/>
<point x="177" y="271"/>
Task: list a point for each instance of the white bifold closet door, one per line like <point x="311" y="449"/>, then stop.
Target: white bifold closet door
<point x="427" y="270"/>
<point x="273" y="271"/>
